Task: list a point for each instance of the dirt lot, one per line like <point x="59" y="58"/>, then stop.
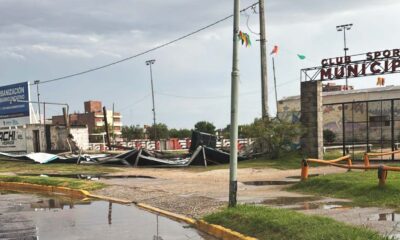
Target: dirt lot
<point x="195" y="193"/>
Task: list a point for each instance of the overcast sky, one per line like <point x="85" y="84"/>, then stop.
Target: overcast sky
<point x="51" y="38"/>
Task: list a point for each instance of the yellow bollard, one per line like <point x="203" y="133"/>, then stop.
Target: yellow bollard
<point x="304" y="170"/>
<point x="349" y="163"/>
<point x="366" y="161"/>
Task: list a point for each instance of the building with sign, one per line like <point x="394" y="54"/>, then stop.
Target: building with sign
<point x="41" y="138"/>
<point x="20" y="132"/>
<point x="361" y="118"/>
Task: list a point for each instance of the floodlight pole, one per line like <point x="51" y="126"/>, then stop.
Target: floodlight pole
<point x="234" y="109"/>
<point x="37" y="82"/>
<point x="149" y="63"/>
<point x="339" y="29"/>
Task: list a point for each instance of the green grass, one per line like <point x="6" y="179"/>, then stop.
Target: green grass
<point x="329" y="155"/>
<point x="359" y="186"/>
<point x="281" y="224"/>
<point x="59" y="182"/>
<point x="16" y="166"/>
<point x="291" y="160"/>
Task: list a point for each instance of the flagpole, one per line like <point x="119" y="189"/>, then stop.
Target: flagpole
<point x="276" y="92"/>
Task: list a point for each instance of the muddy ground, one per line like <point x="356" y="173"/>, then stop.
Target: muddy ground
<point x="195" y="193"/>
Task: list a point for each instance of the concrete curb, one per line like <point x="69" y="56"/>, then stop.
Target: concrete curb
<point x="211" y="229"/>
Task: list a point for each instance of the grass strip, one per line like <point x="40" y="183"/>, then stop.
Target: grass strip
<point x="359" y="186"/>
<point x="281" y="224"/>
<point x="55" y="181"/>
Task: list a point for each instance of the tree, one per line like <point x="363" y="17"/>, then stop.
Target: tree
<point x="132" y="132"/>
<point x="204" y="126"/>
<point x="274" y="135"/>
<point x="180" y="133"/>
<point x="161" y="131"/>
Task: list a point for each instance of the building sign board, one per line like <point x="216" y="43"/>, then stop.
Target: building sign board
<point x="13" y="140"/>
<point x="14" y="105"/>
<point x="360" y="65"/>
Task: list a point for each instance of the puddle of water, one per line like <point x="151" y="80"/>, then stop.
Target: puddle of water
<point x="289" y="200"/>
<point x="391" y="217"/>
<point x="298" y="177"/>
<point x="27" y="216"/>
<point x="306" y="203"/>
<point x="89" y="176"/>
<point x="321" y="205"/>
<point x="272" y="182"/>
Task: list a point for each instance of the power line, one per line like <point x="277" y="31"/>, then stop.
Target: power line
<point x="144" y="52"/>
<point x="136" y="102"/>
<point x="201" y="97"/>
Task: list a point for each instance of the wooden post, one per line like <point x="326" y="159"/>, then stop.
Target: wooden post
<point x="106" y="128"/>
<point x="366" y="161"/>
<point x="382" y="175"/>
<point x="349" y="163"/>
<point x="304" y="170"/>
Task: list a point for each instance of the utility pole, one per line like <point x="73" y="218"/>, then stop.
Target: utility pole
<point x="37" y="82"/>
<point x="234" y="108"/>
<point x="263" y="54"/>
<point x="149" y="63"/>
<point x="339" y="29"/>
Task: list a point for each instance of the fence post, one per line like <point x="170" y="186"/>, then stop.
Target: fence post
<point x="366" y="161"/>
<point x="382" y="175"/>
<point x="304" y="170"/>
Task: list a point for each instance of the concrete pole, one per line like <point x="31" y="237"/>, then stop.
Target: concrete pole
<point x="263" y="54"/>
<point x="234" y="109"/>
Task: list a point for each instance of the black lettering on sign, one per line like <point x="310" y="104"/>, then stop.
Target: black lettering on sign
<point x="7" y="136"/>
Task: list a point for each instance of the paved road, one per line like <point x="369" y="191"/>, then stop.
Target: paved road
<point x="25" y="216"/>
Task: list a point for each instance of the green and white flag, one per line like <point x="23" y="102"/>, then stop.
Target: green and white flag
<point x="301" y="57"/>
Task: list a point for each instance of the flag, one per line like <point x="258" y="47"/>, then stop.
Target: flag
<point x="245" y="38"/>
<point x="274" y="50"/>
<point x="301" y="57"/>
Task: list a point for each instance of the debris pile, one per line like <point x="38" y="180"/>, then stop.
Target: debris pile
<point x="201" y="153"/>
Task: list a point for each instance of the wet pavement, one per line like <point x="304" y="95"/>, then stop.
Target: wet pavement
<point x="28" y="216"/>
